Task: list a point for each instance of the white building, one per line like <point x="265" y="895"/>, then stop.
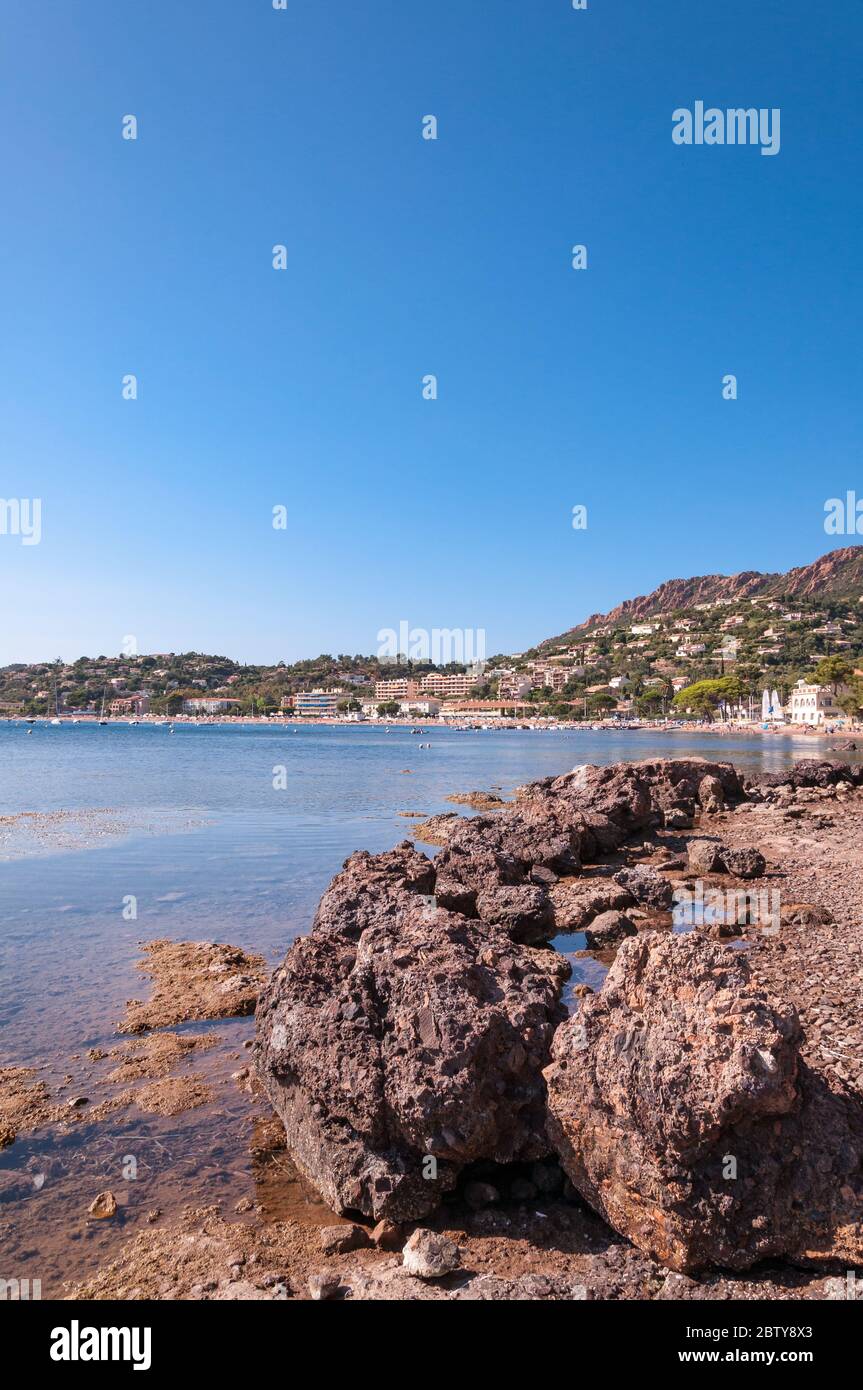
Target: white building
<point x="428" y="708"/>
<point x="813" y="704"/>
<point x="208" y="706"/>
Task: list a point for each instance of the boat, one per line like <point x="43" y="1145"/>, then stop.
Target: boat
<point x="102" y="719"/>
<point x="56" y="719"/>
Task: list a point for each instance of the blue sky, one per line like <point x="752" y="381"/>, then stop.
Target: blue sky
<point x="302" y="388"/>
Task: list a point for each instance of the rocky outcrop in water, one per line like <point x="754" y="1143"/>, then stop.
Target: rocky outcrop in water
<point x="414" y="1023"/>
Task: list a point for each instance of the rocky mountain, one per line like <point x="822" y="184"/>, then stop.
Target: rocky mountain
<point x="838" y="574"/>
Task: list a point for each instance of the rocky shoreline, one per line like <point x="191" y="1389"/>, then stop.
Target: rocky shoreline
<point x="480" y="1127"/>
<point x="418" y="1033"/>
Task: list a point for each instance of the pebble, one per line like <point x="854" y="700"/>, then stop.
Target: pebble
<point x="103" y="1207"/>
<point x="429" y="1255"/>
<point x="339" y="1240"/>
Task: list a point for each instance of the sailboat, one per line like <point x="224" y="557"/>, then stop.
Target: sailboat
<point x="56" y="719"/>
<point x="102" y="719"/>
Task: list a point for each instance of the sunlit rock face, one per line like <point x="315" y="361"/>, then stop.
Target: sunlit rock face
<point x="682" y="1112"/>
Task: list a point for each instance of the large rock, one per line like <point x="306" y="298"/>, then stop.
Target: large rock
<point x="371" y="889"/>
<point x="415" y="1021"/>
<point x="490" y="852"/>
<point x="683" y="1113"/>
<point x="638" y="796"/>
<point x="408" y="1036"/>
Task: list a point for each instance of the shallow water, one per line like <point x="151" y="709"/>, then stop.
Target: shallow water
<point x="208" y="847"/>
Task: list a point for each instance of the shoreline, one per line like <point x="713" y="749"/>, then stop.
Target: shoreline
<point x="430" y="726"/>
<point x="268" y="1235"/>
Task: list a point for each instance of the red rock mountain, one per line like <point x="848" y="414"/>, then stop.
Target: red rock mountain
<point x="838" y="574"/>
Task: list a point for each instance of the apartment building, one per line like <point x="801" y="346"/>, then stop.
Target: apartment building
<point x="448" y="687"/>
<point x="317" y="704"/>
<point x="399" y="689"/>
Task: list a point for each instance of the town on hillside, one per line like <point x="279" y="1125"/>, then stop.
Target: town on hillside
<point x="744" y="660"/>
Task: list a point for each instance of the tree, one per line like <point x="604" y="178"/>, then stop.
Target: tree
<point x="649" y="704"/>
<point x="834" y="671"/>
<point x="851" y="700"/>
<point x="706" y="696"/>
<point x="389" y="707"/>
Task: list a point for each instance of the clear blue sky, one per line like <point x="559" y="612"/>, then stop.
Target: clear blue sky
<point x="408" y="257"/>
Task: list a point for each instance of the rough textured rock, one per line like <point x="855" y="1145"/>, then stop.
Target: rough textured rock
<point x="712" y="857"/>
<point x="743" y="863"/>
<point x="429" y="1255"/>
<point x="609" y="928"/>
<point x="810" y="772"/>
<point x="560" y="823"/>
<point x="426" y="1037"/>
<point x="338" y="1240"/>
<point x="575" y="902"/>
<point x="415" y="1021"/>
<point x="524" y="912"/>
<point x="705" y="856"/>
<point x="371" y="889"/>
<point x="683" y="1113"/>
<point x="103" y="1207"/>
<point x="647" y="887"/>
<point x="711" y="794"/>
<point x="437" y="829"/>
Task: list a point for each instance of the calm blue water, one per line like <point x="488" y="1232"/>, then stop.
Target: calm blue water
<point x="254" y="863"/>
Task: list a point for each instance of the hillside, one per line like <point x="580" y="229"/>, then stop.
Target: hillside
<point x="839" y="574"/>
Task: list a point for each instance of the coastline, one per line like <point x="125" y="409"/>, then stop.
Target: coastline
<point x="430" y="726"/>
<point x="268" y="1235"/>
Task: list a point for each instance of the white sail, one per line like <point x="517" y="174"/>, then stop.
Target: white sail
<point x="765" y="705"/>
<point x="777" y="705"/>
